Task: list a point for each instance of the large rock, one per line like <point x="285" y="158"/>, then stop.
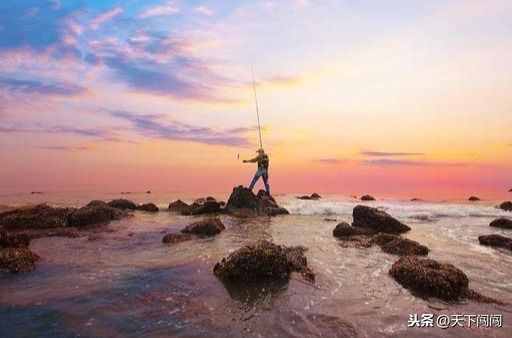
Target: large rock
<point x="343" y="230"/>
<point x="208" y="227"/>
<point x="176" y="238"/>
<point x="263" y="261"/>
<point x="367" y="198"/>
<point x="203" y="206"/>
<point x="397" y="245"/>
<point x="503" y="223"/>
<point x="17" y="259"/>
<point x="496" y="241"/>
<point x="122" y="204"/>
<point x="148" y="207"/>
<point x="18" y="240"/>
<point x="41" y="216"/>
<point x="430" y="278"/>
<point x="377" y="220"/>
<point x="507" y="206"/>
<point x="96" y="212"/>
<point x="244" y="201"/>
<point x="178" y="206"/>
<point x="474" y="199"/>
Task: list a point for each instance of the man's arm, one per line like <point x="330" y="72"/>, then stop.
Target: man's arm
<point x="251" y="160"/>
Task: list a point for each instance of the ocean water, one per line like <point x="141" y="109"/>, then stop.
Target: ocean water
<point x="126" y="283"/>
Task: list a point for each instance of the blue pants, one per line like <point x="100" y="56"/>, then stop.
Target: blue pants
<point x="264" y="175"/>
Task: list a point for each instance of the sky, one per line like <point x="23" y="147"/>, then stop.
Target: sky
<point x="395" y="98"/>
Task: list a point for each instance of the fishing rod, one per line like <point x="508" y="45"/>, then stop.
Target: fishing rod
<point x="257" y="106"/>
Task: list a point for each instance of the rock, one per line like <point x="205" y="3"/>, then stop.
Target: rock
<point x="8" y="240"/>
<point x="178" y="206"/>
<point x="503" y="223"/>
<point x="96" y="212"/>
<point x="122" y="204"/>
<point x="243" y="201"/>
<point x="149" y="207"/>
<point x="416" y="200"/>
<point x="36" y="192"/>
<point x="17" y="259"/>
<point x="496" y="241"/>
<point x="345" y="230"/>
<point x="377" y="220"/>
<point x="148" y="192"/>
<point x="36" y="217"/>
<point x="208" y="227"/>
<point x="429" y="278"/>
<point x="313" y="196"/>
<point x="473" y="199"/>
<point x="367" y="198"/>
<point x="263" y="261"/>
<point x="510" y="190"/>
<point x="176" y="238"/>
<point x="397" y="245"/>
<point x="207" y="206"/>
<point x="507" y="206"/>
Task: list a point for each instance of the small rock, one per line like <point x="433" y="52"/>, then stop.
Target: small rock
<point x="473" y="199"/>
<point x="313" y="196"/>
<point x="496" y="241"/>
<point x="503" y="223"/>
<point x="14" y="240"/>
<point x="17" y="259"/>
<point x="176" y="238"/>
<point x="41" y="216"/>
<point x="344" y="229"/>
<point x="507" y="206"/>
<point x="367" y="198"/>
<point x="377" y="220"/>
<point x="149" y="207"/>
<point x="96" y="212"/>
<point x="178" y="206"/>
<point x="122" y="204"/>
<point x="397" y="245"/>
<point x="416" y="200"/>
<point x="148" y="192"/>
<point x="208" y="227"/>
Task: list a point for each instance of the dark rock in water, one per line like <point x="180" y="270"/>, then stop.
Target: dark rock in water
<point x="367" y="198"/>
<point x="36" y="217"/>
<point x="203" y="206"/>
<point x="510" y="190"/>
<point x="148" y="192"/>
<point x="496" y="241"/>
<point x="17" y="259"/>
<point x="313" y="196"/>
<point x="178" y="206"/>
<point x="208" y="227"/>
<point x="503" y="223"/>
<point x="328" y="219"/>
<point x="473" y="199"/>
<point x="122" y="204"/>
<point x="397" y="245"/>
<point x="176" y="238"/>
<point x="149" y="207"/>
<point x="507" y="206"/>
<point x="429" y="278"/>
<point x="345" y="230"/>
<point x="36" y="192"/>
<point x="377" y="220"/>
<point x="96" y="212"/>
<point x="416" y="200"/>
<point x="8" y="240"/>
<point x="263" y="261"/>
<point x="243" y="201"/>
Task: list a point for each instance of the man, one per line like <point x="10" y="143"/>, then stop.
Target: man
<point x="262" y="171"/>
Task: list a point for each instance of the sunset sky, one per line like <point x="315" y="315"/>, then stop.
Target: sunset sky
<point x="394" y="98"/>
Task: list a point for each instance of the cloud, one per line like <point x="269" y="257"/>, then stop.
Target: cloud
<point x="105" y="17"/>
<point x="285" y="80"/>
<point x="330" y="160"/>
<point x="388" y="154"/>
<point x="38" y="87"/>
<point x="391" y="162"/>
<point x="148" y="125"/>
<point x="204" y="10"/>
<point x="64" y="148"/>
<point x="169" y="8"/>
<point x="85" y="132"/>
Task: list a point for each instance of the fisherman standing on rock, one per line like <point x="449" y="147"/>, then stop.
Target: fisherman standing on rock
<point x="263" y="162"/>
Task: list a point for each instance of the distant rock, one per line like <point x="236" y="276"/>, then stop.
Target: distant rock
<point x="367" y="198"/>
<point x="41" y="216"/>
<point x="19" y="259"/>
<point x="377" y="220"/>
<point x="397" y="245"/>
<point x="416" y="200"/>
<point x="243" y="202"/>
<point x="207" y="227"/>
<point x="148" y="207"/>
<point x="178" y="206"/>
<point x="344" y="229"/>
<point x="36" y="192"/>
<point x="503" y="223"/>
<point x="427" y="277"/>
<point x="17" y="240"/>
<point x="263" y="261"/>
<point x="507" y="206"/>
<point x="96" y="212"/>
<point x="122" y="204"/>
<point x="510" y="190"/>
<point x="496" y="241"/>
<point x="176" y="238"/>
<point x="148" y="192"/>
<point x="473" y="199"/>
<point x="313" y="196"/>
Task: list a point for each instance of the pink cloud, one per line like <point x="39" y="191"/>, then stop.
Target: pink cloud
<point x="104" y="17"/>
<point x="204" y="10"/>
<point x="168" y="8"/>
